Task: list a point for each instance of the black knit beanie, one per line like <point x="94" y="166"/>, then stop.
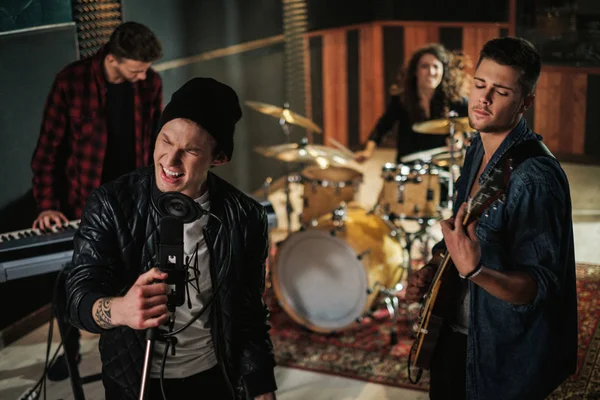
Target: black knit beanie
<point x="209" y="103"/>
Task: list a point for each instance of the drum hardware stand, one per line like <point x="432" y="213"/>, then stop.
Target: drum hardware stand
<point x="452" y="165"/>
<point x="423" y="233"/>
<point x="288" y="204"/>
<point x="338" y="217"/>
<point x="267" y="187"/>
<point x="392" y="304"/>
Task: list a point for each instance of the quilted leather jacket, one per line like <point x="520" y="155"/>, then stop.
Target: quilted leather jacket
<point x="118" y="240"/>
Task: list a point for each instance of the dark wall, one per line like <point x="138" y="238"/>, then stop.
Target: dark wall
<point x="338" y="13"/>
<point x="29" y="61"/>
<point x="444" y="10"/>
<point x="20" y="14"/>
<point x="188" y="28"/>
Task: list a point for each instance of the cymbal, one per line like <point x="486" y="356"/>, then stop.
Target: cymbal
<point x="442" y="126"/>
<point x="306" y="154"/>
<point x="443" y="159"/>
<point x="289" y="116"/>
<point x="425" y="155"/>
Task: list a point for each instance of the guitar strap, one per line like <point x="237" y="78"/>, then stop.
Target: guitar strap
<point x="524" y="150"/>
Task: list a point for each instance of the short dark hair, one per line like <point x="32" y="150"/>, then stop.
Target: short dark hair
<point x="134" y="41"/>
<point x="517" y="53"/>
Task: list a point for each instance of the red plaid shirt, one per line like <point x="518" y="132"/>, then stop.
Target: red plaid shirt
<point x="69" y="156"/>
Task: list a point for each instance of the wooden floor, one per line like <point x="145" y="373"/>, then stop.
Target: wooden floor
<point x="21" y="363"/>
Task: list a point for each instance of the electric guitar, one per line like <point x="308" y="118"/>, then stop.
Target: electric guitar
<point x="441" y="298"/>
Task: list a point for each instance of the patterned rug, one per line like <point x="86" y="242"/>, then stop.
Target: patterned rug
<point x="365" y="353"/>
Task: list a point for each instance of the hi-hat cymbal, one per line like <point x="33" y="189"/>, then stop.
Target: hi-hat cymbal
<point x="425" y="155"/>
<point x="306" y="154"/>
<point x="289" y="116"/>
<point x="442" y="126"/>
<point x="443" y="159"/>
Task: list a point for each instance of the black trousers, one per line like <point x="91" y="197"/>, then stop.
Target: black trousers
<point x="448" y="371"/>
<point x="206" y="385"/>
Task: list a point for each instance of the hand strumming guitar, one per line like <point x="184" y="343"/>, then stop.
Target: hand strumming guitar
<point x="419" y="282"/>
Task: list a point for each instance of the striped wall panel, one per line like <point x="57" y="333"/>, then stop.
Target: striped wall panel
<point x="335" y="86"/>
<point x="474" y="38"/>
<point x="371" y="73"/>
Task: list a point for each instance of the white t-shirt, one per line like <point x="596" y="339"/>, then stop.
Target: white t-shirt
<point x="194" y="351"/>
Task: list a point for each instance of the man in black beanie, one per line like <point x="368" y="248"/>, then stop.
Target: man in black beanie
<point x="116" y="290"/>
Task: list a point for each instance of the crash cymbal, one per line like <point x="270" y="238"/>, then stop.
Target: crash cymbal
<point x="443" y="159"/>
<point x="306" y="154"/>
<point x="425" y="155"/>
<point x="442" y="126"/>
<point x="289" y="116"/>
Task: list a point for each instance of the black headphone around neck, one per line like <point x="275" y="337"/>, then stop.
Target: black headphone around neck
<point x="178" y="205"/>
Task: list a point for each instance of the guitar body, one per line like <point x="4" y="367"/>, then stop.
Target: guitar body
<point x="440" y="306"/>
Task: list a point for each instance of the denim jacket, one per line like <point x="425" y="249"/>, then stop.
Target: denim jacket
<point x="522" y="351"/>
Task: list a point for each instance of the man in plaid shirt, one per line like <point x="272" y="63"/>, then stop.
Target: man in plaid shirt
<point x="99" y="123"/>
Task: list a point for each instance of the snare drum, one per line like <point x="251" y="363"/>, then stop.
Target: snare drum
<point x="328" y="276"/>
<point x="325" y="189"/>
<point x="413" y="190"/>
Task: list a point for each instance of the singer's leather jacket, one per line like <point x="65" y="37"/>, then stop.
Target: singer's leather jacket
<point x="118" y="240"/>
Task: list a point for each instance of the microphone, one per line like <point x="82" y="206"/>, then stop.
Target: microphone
<point x="170" y="255"/>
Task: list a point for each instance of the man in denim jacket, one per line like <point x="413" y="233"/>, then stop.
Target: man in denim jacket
<point x="515" y="331"/>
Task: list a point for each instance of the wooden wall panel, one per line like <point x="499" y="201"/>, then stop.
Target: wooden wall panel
<point x="547" y="109"/>
<point x="371" y="78"/>
<point x="474" y="37"/>
<point x="573" y="113"/>
<point x="417" y="36"/>
<point x="335" y="89"/>
<point x="560" y="108"/>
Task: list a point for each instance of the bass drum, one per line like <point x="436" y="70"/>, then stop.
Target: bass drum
<point x="328" y="276"/>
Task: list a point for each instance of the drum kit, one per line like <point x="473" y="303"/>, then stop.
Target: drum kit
<point x="335" y="269"/>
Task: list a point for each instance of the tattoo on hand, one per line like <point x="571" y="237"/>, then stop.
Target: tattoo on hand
<point x="102" y="313"/>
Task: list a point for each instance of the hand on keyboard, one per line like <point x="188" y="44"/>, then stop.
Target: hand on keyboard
<point x="48" y="218"/>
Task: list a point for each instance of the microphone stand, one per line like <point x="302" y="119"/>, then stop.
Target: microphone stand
<point x="152" y="335"/>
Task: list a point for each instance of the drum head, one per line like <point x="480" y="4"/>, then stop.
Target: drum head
<point x="319" y="281"/>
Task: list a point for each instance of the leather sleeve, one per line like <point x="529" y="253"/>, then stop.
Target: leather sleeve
<point x="93" y="273"/>
<point x="257" y="357"/>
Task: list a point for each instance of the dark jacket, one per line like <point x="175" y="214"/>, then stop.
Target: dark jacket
<point x="118" y="240"/>
<point x="522" y="351"/>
